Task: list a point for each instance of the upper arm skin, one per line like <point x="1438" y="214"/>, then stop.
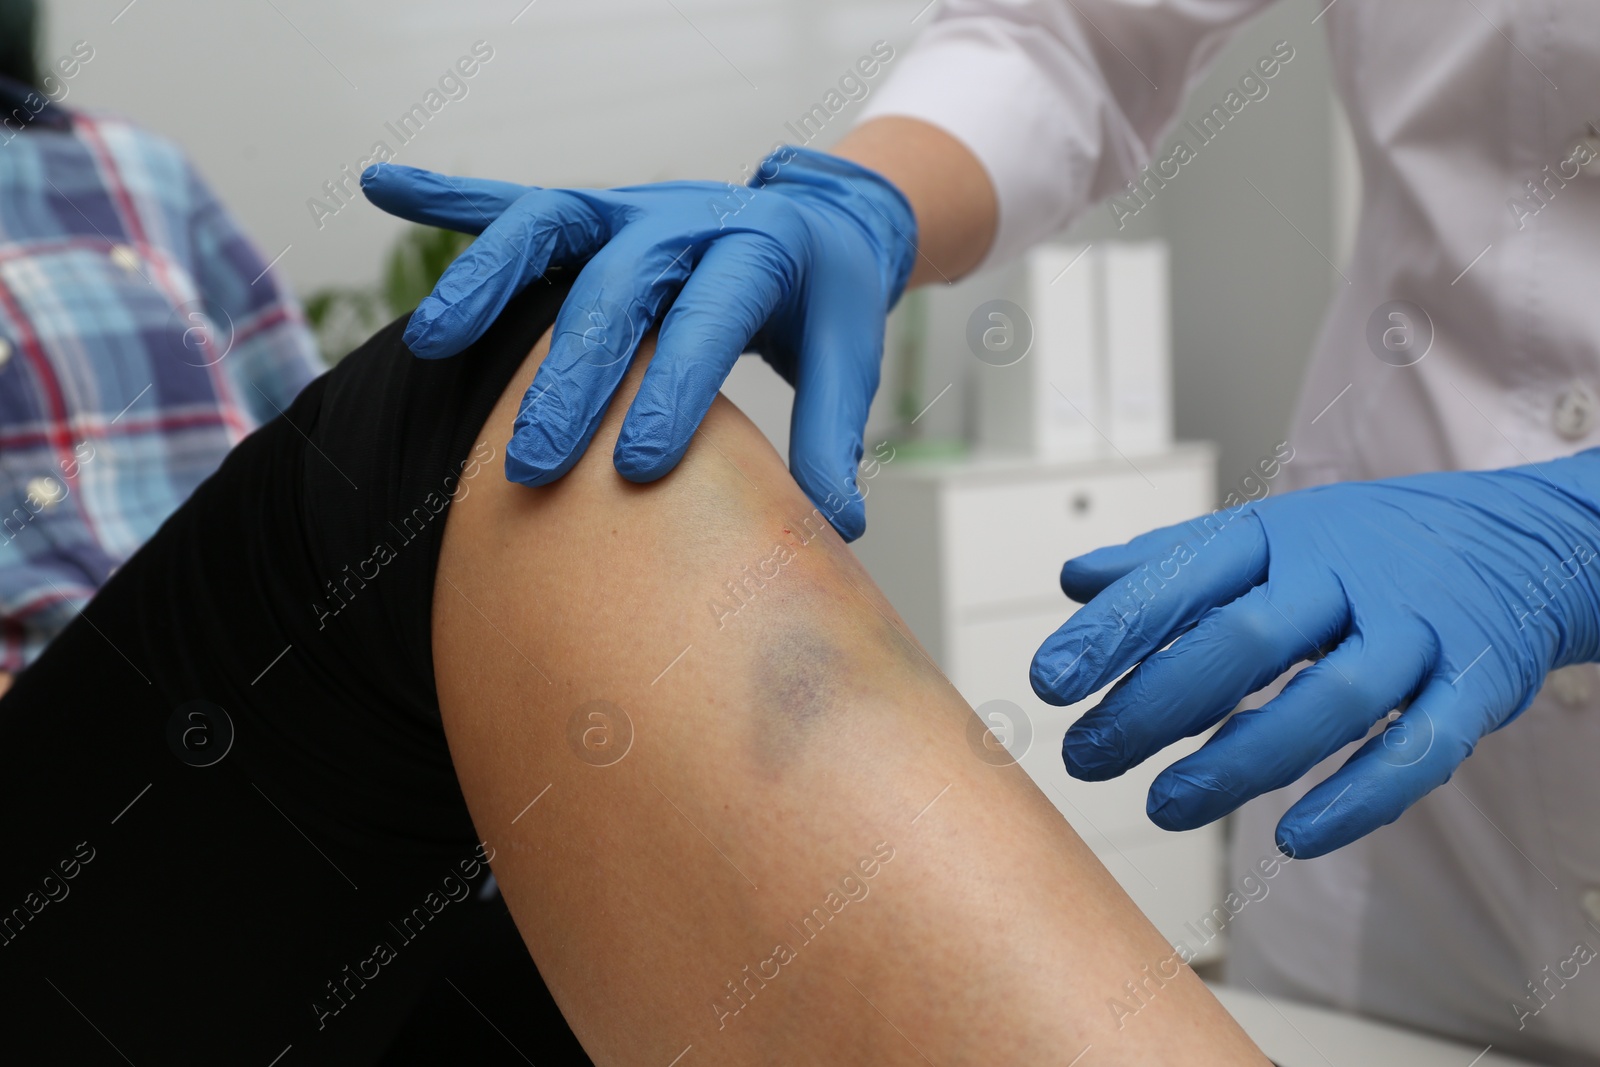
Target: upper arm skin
<point x="800" y="756"/>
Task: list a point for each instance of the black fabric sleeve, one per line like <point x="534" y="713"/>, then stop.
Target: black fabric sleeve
<point x="232" y="828"/>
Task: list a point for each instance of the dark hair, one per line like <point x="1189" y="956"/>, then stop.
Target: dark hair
<point x="19" y="41"/>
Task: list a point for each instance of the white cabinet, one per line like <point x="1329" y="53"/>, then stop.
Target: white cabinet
<point x="970" y="553"/>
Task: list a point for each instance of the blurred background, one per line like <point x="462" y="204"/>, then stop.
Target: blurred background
<point x="980" y="481"/>
<point x="280" y="102"/>
<point x="273" y="98"/>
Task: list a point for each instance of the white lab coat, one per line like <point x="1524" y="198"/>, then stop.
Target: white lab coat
<point x="1442" y="919"/>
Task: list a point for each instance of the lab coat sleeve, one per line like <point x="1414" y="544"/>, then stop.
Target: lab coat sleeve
<point x="1062" y="101"/>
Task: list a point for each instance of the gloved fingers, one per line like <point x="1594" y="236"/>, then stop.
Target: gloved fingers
<point x="1416" y="754"/>
<point x="467" y="205"/>
<point x="731" y="293"/>
<point x="1131" y="618"/>
<point x="835" y="379"/>
<point x="1083" y="577"/>
<point x="543" y="227"/>
<point x="613" y="303"/>
<point x="1190" y="685"/>
<point x="1330" y="704"/>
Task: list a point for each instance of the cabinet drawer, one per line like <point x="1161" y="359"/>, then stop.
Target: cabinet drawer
<point x="1006" y="542"/>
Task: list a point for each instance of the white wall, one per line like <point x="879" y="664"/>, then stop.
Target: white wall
<point x="273" y="97"/>
<point x="1249" y="292"/>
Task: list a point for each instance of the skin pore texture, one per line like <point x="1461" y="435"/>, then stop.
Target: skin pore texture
<point x="732" y="805"/>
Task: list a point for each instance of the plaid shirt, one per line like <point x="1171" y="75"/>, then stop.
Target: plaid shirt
<point x="141" y="337"/>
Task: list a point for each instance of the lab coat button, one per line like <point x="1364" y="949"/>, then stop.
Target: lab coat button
<point x="125" y="257"/>
<point x="1591" y="902"/>
<point x="1575" y="411"/>
<point x="46" y="493"/>
<point x="1572" y="685"/>
<point x="5" y="351"/>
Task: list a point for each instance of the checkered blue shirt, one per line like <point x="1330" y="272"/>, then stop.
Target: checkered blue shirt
<point x="141" y="337"/>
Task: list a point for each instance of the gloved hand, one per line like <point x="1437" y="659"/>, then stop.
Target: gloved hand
<point x="801" y="266"/>
<point x="1455" y="592"/>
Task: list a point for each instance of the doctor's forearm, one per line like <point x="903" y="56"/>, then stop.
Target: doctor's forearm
<point x="950" y="192"/>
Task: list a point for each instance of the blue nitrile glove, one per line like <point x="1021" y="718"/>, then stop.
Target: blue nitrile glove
<point x="1456" y="592"/>
<point x="801" y="266"/>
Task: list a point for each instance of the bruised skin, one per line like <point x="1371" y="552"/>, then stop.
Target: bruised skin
<point x="774" y="844"/>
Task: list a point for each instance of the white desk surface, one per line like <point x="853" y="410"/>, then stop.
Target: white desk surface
<point x="1294" y="1035"/>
